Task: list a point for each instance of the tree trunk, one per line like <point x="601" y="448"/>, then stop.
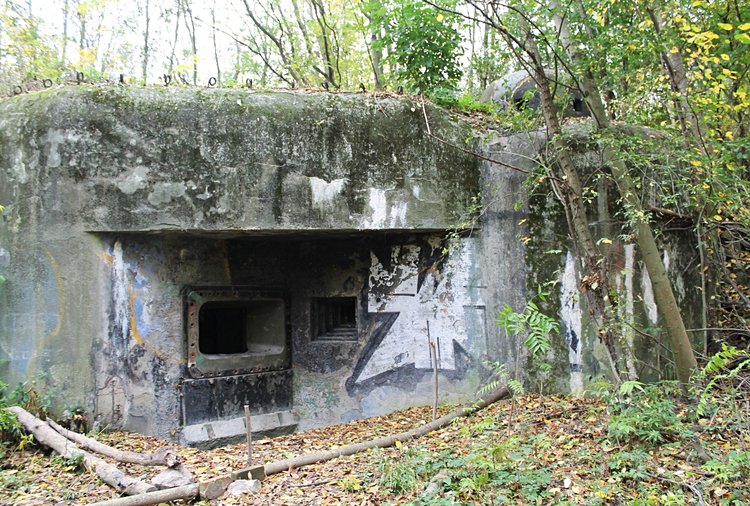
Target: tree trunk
<point x="172" y="55"/>
<point x="679" y="81"/>
<point x="108" y="473"/>
<point x="663" y="293"/>
<point x="190" y="25"/>
<point x="64" y="41"/>
<point x="216" y="49"/>
<point x="164" y="457"/>
<point x="594" y="282"/>
<point x="144" y="72"/>
<point x="185" y="493"/>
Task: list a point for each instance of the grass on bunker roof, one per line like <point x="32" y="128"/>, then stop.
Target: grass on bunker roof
<point x="529" y="450"/>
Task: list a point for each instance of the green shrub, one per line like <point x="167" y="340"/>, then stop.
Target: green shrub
<point x="644" y="414"/>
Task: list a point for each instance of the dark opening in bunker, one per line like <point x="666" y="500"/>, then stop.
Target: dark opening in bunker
<point x="230" y="327"/>
<point x="236" y="330"/>
<point x="334" y="318"/>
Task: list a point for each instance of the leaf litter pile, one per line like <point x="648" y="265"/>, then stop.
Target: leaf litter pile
<point x="527" y="450"/>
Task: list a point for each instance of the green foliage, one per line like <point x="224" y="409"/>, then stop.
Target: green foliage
<point x="401" y="476"/>
<point x="461" y="102"/>
<point x="717" y="382"/>
<point x="537" y="330"/>
<point x="733" y="467"/>
<point x="24" y="52"/>
<point x="644" y="414"/>
<point x="423" y="43"/>
<point x="500" y="375"/>
<point x="74" y="463"/>
<point x="629" y="464"/>
<point x="537" y="327"/>
<point x="494" y="473"/>
<point x="465" y="227"/>
<point x="10" y="428"/>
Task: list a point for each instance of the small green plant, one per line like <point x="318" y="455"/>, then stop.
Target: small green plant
<point x="465" y="227"/>
<point x="351" y="483"/>
<point x="401" y="476"/>
<point x="537" y="328"/>
<point x="74" y="463"/>
<point x="644" y="414"/>
<point x="10" y="428"/>
<point x="531" y="322"/>
<point x="500" y="375"/>
<point x="722" y="369"/>
<point x="733" y="467"/>
<point x="629" y="464"/>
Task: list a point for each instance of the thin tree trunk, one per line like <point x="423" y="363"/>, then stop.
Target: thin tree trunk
<point x="63" y="55"/>
<point x="108" y="473"/>
<point x="172" y="55"/>
<point x="144" y="72"/>
<point x="184" y="493"/>
<point x="594" y="282"/>
<point x="190" y="25"/>
<point x="237" y="62"/>
<point x="216" y="50"/>
<point x="377" y="61"/>
<point x="679" y="81"/>
<point x="164" y="457"/>
<point x="663" y="294"/>
<point x="330" y="63"/>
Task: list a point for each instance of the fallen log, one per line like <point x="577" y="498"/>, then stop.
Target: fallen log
<point x="185" y="493"/>
<point x="108" y="473"/>
<point x="163" y="457"/>
<point x="382" y="442"/>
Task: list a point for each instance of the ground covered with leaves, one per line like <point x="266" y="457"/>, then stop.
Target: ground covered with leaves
<point x="641" y="448"/>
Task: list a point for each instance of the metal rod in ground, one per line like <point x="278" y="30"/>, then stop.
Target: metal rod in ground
<point x="249" y="436"/>
<point x="433" y="356"/>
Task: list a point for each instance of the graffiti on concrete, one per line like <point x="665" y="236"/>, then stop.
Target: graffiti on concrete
<point x="413" y="304"/>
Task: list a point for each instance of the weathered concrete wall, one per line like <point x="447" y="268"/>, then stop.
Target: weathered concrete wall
<point x="118" y="199"/>
<point x="118" y="159"/>
<point x="128" y="210"/>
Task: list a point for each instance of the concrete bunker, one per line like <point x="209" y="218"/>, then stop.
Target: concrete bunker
<point x="172" y="254"/>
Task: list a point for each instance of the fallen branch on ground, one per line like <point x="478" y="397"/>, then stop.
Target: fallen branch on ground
<point x="171" y="494"/>
<point x="108" y="473"/>
<point x="386" y="441"/>
<point x="162" y="457"/>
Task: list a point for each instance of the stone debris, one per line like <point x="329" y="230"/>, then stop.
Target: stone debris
<point x="171" y="478"/>
<point x="242" y="487"/>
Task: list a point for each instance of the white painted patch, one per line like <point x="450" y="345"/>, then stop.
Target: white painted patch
<point x="378" y="205"/>
<point x="628" y="311"/>
<point x="570" y="308"/>
<point x="120" y="291"/>
<point x="164" y="193"/>
<point x="445" y="303"/>
<point x="398" y="215"/>
<point x="54" y="138"/>
<point x="134" y="180"/>
<point x="649" y="302"/>
<point x="19" y="168"/>
<point x="324" y="192"/>
<point x="206" y="194"/>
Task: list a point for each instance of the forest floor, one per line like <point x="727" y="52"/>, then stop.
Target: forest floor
<point x="528" y="450"/>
